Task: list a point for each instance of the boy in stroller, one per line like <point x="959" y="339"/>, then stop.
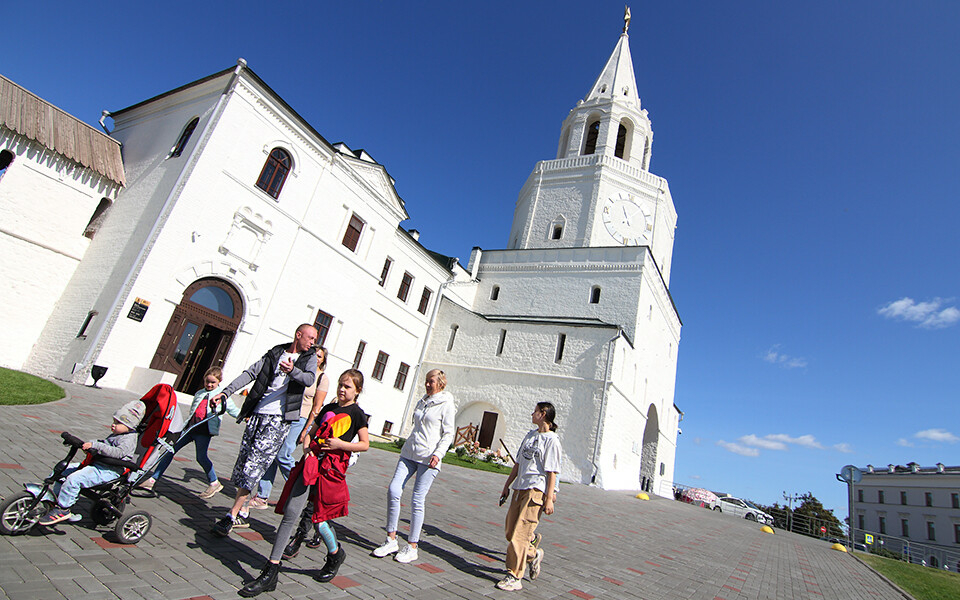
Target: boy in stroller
<point x="120" y="444"/>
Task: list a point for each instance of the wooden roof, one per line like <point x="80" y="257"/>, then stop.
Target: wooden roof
<point x="38" y="120"/>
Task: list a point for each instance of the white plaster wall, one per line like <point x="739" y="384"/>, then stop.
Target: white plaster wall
<point x="46" y="202"/>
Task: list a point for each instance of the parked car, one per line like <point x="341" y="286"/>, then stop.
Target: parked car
<point x="742" y="508"/>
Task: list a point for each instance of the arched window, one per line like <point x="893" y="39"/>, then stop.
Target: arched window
<point x="593" y="132"/>
<point x="621" y="141"/>
<point x="184" y="137"/>
<point x="274" y="172"/>
<point x="96" y="220"/>
<point x="495" y="293"/>
<point x="595" y="295"/>
<point x="453" y="337"/>
<point x="6" y="158"/>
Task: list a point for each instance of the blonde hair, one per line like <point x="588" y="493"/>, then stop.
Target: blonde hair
<point x="215" y="372"/>
<point x="441" y="377"/>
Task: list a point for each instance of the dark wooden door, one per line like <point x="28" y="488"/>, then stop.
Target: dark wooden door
<point x="488" y="426"/>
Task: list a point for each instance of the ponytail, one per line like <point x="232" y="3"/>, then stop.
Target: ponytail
<point x="549" y="414"/>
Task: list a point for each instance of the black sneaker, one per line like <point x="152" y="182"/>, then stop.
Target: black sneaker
<point x="330" y="568"/>
<point x="241" y="522"/>
<point x="315" y="542"/>
<point x="223" y="527"/>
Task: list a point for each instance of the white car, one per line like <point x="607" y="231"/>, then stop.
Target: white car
<point x="742" y="508"/>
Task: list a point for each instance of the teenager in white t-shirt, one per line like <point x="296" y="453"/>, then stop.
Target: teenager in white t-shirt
<point x="533" y="481"/>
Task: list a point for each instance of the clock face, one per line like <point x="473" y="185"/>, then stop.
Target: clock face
<point x="625" y="220"/>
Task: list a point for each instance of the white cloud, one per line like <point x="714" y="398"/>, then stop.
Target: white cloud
<point x="752" y="440"/>
<point x="775" y="357"/>
<point x="695" y="477"/>
<point x="843" y="447"/>
<point x="905" y="443"/>
<point x="937" y="435"/>
<point x="807" y="441"/>
<point x="928" y="315"/>
<point x="738" y="449"/>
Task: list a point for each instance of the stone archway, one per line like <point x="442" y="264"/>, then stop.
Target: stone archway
<point x="648" y="456"/>
<point x="199" y="333"/>
<point x="486" y="418"/>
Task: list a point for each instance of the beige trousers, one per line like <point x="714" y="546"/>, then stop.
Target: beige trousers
<point x="522" y="520"/>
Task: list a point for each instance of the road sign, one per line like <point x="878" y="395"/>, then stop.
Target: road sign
<point x="868" y="538"/>
<point x="823" y="529"/>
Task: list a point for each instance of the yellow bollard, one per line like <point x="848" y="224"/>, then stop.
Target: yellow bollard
<point x="839" y="547"/>
<point x="642" y="496"/>
<point x="767" y="529"/>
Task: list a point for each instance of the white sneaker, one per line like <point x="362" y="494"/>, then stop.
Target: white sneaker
<point x="510" y="583"/>
<point x="407" y="555"/>
<point x="535" y="563"/>
<point x="388" y="547"/>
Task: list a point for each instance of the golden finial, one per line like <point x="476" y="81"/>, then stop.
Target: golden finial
<point x="626" y="18"/>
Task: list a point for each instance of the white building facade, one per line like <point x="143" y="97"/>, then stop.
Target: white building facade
<point x="238" y="223"/>
<point x="577" y="310"/>
<point x="914" y="510"/>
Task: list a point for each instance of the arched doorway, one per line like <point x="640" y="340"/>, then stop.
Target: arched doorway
<point x="199" y="333"/>
<point x="648" y="456"/>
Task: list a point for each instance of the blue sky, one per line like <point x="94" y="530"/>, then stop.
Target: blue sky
<point x="811" y="149"/>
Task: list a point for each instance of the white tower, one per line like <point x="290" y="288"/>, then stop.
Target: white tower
<point x="599" y="191"/>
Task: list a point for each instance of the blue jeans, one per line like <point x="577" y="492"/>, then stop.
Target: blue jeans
<point x="202" y="440"/>
<point x="284" y="459"/>
<point x="78" y="478"/>
<point x="406" y="469"/>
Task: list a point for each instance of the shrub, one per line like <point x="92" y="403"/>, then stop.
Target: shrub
<point x="399" y="442"/>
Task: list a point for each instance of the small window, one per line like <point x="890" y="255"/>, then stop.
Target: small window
<point x="380" y="366"/>
<point x="6" y="159"/>
<point x="495" y="293"/>
<point x="860" y="522"/>
<point x="385" y="271"/>
<point x="883" y="524"/>
<point x="82" y="334"/>
<point x="503" y="339"/>
<point x="956" y="538"/>
<point x="359" y="355"/>
<point x="401" y="379"/>
<point x="595" y="295"/>
<point x="184" y="138"/>
<point x="880" y="496"/>
<point x="274" y="172"/>
<point x="557" y="232"/>
<point x="621" y="141"/>
<point x="593" y="132"/>
<point x="424" y="301"/>
<point x="904" y="528"/>
<point x="663" y="468"/>
<point x="97" y="218"/>
<point x="387" y="428"/>
<point x="561" y="342"/>
<point x="405" y="284"/>
<point x="903" y="498"/>
<point x="955" y="500"/>
<point x="322" y="324"/>
<point x="859" y="495"/>
<point x="351" y="237"/>
<point x="928" y="498"/>
<point x="453" y="337"/>
<point x="931" y="531"/>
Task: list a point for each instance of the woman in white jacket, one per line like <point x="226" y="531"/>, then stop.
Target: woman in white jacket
<point x="433" y="430"/>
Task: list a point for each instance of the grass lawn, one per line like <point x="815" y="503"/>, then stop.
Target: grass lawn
<point x="451" y="459"/>
<point x="923" y="583"/>
<point x="20" y="388"/>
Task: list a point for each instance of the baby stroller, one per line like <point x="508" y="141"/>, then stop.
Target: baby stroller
<point x="20" y="512"/>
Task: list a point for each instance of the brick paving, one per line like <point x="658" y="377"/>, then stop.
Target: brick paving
<point x="599" y="544"/>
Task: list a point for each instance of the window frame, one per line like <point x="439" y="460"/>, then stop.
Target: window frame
<point x="401" y="380"/>
<point x="322" y="323"/>
<point x="277" y="176"/>
<point x="380" y="366"/>
<point x="185" y="135"/>
<point x="425" y="300"/>
<point x="403" y="292"/>
<point x="351" y="236"/>
<point x="385" y="272"/>
<point x="358" y="356"/>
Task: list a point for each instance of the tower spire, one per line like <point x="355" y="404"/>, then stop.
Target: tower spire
<point x="626" y="18"/>
<point x="617" y="81"/>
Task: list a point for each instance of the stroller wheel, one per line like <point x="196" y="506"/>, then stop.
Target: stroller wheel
<point x="131" y="528"/>
<point x="15" y="516"/>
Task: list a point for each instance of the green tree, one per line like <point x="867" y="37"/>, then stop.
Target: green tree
<point x="807" y="518"/>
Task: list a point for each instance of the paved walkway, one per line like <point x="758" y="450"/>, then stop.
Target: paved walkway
<point x="598" y="544"/>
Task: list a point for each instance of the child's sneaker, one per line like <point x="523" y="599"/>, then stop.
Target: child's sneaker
<point x="223" y="527"/>
<point x="509" y="583"/>
<point x="241" y="522"/>
<point x="535" y="542"/>
<point x="148" y="484"/>
<point x="56" y="515"/>
<point x="211" y="491"/>
<point x="535" y="563"/>
<point x="407" y="555"/>
<point x="389" y="547"/>
<point x="258" y="503"/>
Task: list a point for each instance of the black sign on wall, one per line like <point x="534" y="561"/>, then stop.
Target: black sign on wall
<point x="138" y="310"/>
